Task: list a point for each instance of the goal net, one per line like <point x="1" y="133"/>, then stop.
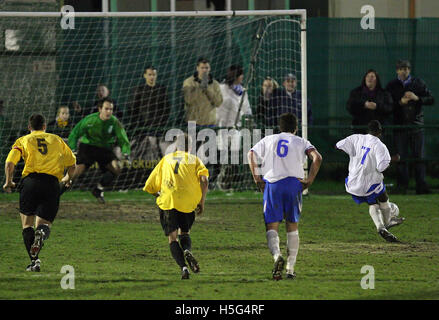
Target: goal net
<point x="47" y="65"/>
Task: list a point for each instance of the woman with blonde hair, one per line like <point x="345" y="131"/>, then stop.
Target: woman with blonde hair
<point x="267" y="88"/>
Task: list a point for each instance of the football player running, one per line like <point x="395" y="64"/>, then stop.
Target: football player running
<point x="368" y="158"/>
<point x="180" y="183"/>
<point x="46" y="156"/>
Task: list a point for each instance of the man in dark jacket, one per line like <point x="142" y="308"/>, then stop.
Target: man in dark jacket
<point x="286" y="100"/>
<point x="369" y="102"/>
<point x="148" y="116"/>
<point x="409" y="95"/>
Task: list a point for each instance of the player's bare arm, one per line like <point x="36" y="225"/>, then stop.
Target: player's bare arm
<point x="204" y="183"/>
<point x="253" y="167"/>
<point x="316" y="159"/>
<point x="9" y="173"/>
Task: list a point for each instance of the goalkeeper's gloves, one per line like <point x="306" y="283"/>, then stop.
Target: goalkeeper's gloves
<point x="126" y="159"/>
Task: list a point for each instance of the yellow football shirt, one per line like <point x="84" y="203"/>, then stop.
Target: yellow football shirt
<point x="42" y="153"/>
<point x="177" y="178"/>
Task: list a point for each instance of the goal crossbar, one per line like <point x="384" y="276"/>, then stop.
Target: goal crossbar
<point x="298" y="12"/>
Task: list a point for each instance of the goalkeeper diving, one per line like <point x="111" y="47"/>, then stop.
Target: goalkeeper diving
<point x="97" y="134"/>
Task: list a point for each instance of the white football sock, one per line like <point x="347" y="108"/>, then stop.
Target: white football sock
<point x="385" y="210"/>
<point x="273" y="243"/>
<point x="293" y="249"/>
<point x="376" y="216"/>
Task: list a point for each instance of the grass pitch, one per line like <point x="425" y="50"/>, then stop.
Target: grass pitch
<point x="119" y="251"/>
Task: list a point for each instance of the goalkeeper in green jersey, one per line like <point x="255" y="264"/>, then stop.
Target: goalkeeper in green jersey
<point x="97" y="134"/>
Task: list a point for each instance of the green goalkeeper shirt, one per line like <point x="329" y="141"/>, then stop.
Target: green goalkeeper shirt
<point x="93" y="131"/>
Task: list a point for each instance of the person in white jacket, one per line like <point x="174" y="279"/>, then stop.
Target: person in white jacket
<point x="235" y="99"/>
<point x="233" y="92"/>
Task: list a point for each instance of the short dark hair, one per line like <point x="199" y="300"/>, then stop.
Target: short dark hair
<point x="102" y="101"/>
<point x="287" y="122"/>
<point x="202" y="60"/>
<point x="374" y="127"/>
<point x="37" y="121"/>
<point x="403" y="64"/>
<point x="233" y="72"/>
<point x="150" y="66"/>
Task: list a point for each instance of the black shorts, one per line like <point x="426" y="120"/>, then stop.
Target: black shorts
<point x="88" y="155"/>
<point x="172" y="220"/>
<point x="39" y="195"/>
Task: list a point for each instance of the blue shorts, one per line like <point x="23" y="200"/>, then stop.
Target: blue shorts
<point x="372" y="198"/>
<point x="283" y="199"/>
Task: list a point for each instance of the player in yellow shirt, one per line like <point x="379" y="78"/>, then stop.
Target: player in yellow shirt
<point x="45" y="156"/>
<point x="180" y="182"/>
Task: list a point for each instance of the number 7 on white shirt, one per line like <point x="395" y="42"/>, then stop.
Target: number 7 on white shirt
<point x="365" y="154"/>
